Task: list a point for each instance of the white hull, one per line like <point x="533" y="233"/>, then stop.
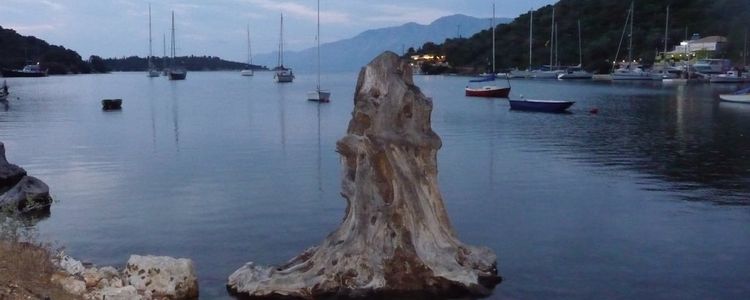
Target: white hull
<point x="153" y="73"/>
<point x="547" y="74"/>
<point x="728" y="79"/>
<point x="283" y="76"/>
<point x="247" y="72"/>
<point x="674" y="81"/>
<point x="576" y="75"/>
<point x="319" y="96"/>
<point x="736" y="98"/>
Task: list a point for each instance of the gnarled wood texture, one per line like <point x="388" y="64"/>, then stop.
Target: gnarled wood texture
<point x="396" y="238"/>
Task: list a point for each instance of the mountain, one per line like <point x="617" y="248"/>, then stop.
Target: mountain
<point x="353" y="53"/>
<point x="602" y="24"/>
<point x="17" y="50"/>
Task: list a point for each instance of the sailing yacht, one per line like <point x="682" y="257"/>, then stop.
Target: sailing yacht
<point x="629" y="69"/>
<point x="283" y="74"/>
<point x="492" y="91"/>
<point x="249" y="70"/>
<point x="175" y="72"/>
<point x="552" y="72"/>
<point x="152" y="71"/>
<point x="528" y="73"/>
<point x="318" y="94"/>
<point x="577" y="72"/>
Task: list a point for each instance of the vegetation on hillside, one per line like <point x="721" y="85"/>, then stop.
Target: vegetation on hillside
<point x="192" y="63"/>
<point x="602" y="24"/>
<point x="17" y="50"/>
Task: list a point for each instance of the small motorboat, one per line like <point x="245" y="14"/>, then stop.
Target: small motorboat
<point x="741" y="96"/>
<point x="729" y="77"/>
<point x="555" y="106"/>
<point x="489" y="91"/>
<point x="111" y="104"/>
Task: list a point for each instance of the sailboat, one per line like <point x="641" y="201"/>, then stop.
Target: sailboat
<point x="318" y="94"/>
<point x="552" y="72"/>
<point x="152" y="72"/>
<point x="175" y="72"/>
<point x="577" y="72"/>
<point x="283" y="74"/>
<point x="249" y="70"/>
<point x="164" y="68"/>
<point x="629" y="70"/>
<point x="528" y="73"/>
<point x="492" y="91"/>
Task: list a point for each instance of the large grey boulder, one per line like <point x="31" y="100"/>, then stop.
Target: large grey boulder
<point x="396" y="239"/>
<point x="10" y="174"/>
<point x="28" y="195"/>
<point x="162" y="276"/>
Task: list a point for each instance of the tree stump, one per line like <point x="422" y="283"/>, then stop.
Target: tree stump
<point x="396" y="238"/>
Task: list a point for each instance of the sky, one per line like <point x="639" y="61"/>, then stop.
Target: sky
<point x="119" y="28"/>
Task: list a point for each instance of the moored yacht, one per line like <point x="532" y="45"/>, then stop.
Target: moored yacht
<point x="27" y="71"/>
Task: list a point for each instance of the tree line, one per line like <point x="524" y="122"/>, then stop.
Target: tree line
<point x="602" y="23"/>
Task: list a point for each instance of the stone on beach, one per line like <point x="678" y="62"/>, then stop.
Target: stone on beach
<point x="162" y="276"/>
<point x="396" y="238"/>
<point x="28" y="195"/>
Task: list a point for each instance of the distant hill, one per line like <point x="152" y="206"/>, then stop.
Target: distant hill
<point x="353" y="53"/>
<point x="17" y="50"/>
<point x="602" y="24"/>
<point x="192" y="63"/>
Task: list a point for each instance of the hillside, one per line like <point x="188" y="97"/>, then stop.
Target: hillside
<point x="602" y="24"/>
<point x="192" y="63"/>
<point x="16" y="50"/>
<point x="353" y="53"/>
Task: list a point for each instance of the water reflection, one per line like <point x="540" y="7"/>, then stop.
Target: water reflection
<point x="175" y="115"/>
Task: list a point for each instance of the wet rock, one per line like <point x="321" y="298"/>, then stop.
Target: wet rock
<point x="161" y="276"/>
<point x="10" y="174"/>
<point x="396" y="239"/>
<point x="28" y="195"/>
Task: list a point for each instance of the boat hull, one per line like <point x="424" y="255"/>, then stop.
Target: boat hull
<point x="488" y="92"/>
<point x="540" y="105"/>
<point x="18" y="73"/>
<point x="642" y="76"/>
<point x="177" y="75"/>
<point x="153" y="73"/>
<point x="3" y="96"/>
<point x="728" y="80"/>
<point x="745" y="98"/>
<point x="247" y="73"/>
<point x="575" y="76"/>
<point x="319" y="96"/>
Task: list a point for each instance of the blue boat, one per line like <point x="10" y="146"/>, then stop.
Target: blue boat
<point x="540" y="105"/>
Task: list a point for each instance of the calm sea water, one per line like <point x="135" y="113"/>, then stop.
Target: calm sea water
<point x="647" y="199"/>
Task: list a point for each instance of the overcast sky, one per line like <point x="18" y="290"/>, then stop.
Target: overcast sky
<point x="116" y="28"/>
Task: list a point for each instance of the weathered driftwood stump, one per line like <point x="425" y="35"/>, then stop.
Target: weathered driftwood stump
<point x="396" y="238"/>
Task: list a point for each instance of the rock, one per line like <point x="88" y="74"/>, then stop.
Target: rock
<point x="161" y="276"/>
<point x="72" y="285"/>
<point x="28" y="195"/>
<point x="91" y="277"/>
<point x="396" y="239"/>
<point x="10" y="174"/>
<point x="69" y="264"/>
<point x="111" y="293"/>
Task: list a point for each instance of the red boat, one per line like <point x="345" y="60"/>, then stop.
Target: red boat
<point x="489" y="91"/>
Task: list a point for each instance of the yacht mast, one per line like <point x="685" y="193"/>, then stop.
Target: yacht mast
<point x="552" y="40"/>
<point x="281" y="42"/>
<point x="531" y="35"/>
<point x="173" y="43"/>
<point x="493" y="38"/>
<point x="666" y="31"/>
<point x="580" y="48"/>
<point x="744" y="51"/>
<point x="557" y="56"/>
<point x="249" y="53"/>
<point x="150" y="46"/>
<point x="317" y="40"/>
<point x="630" y="42"/>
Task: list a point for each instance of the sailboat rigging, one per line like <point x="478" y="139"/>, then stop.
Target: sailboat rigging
<point x="318" y="94"/>
<point x="175" y="72"/>
<point x="249" y="70"/>
<point x="152" y="72"/>
<point x="283" y="74"/>
<point x="492" y="91"/>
